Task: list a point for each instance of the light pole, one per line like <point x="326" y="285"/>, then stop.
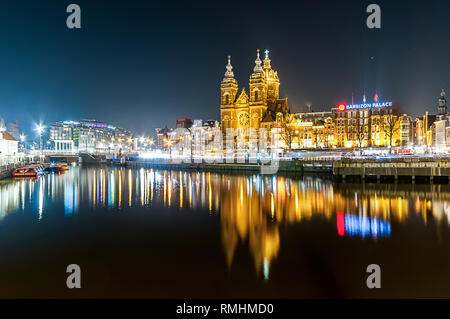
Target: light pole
<point x="151" y="142"/>
<point x="22" y="140"/>
<point x="170" y="143"/>
<point x="40" y="130"/>
<point x="142" y="140"/>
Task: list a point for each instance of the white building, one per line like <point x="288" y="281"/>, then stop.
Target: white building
<point x="8" y="144"/>
<point x="89" y="136"/>
<point x="440" y="127"/>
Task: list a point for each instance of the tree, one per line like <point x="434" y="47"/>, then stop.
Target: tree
<point x="360" y="133"/>
<point x="287" y="131"/>
<point x="391" y="126"/>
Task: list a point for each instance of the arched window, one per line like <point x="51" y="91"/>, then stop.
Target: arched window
<point x="227" y="99"/>
<point x="256" y="95"/>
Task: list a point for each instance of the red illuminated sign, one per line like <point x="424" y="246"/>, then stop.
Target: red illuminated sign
<point x="341" y="107"/>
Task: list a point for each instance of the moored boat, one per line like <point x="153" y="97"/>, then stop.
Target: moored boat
<point x="33" y="170"/>
<point x="57" y="167"/>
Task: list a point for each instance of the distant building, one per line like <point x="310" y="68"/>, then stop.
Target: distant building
<point x="89" y="136"/>
<point x="184" y="123"/>
<point x="162" y="136"/>
<point x="8" y="144"/>
<point x="406" y="131"/>
<point x="439" y="126"/>
<point x="206" y="138"/>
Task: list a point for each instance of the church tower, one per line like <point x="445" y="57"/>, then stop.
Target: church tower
<point x="273" y="83"/>
<point x="442" y="109"/>
<point x="258" y="93"/>
<point x="228" y="92"/>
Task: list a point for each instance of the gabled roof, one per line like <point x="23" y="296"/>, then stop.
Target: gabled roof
<point x="268" y="117"/>
<point x="7" y="136"/>
<point x="243" y="97"/>
<point x="280" y="105"/>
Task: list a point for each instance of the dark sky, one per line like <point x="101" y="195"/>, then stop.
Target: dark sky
<point x="143" y="64"/>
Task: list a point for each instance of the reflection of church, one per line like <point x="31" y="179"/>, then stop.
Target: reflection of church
<point x="262" y="107"/>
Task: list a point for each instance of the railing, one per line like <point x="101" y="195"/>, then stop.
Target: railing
<point x="8" y="161"/>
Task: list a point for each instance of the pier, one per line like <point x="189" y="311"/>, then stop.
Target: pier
<point x="394" y="170"/>
<point x="403" y="170"/>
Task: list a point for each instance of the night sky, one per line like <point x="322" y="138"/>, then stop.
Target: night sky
<point x="143" y="64"/>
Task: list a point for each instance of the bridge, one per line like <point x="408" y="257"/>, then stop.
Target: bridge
<point x="62" y="157"/>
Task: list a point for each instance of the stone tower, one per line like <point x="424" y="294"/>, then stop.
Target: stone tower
<point x="258" y="93"/>
<point x="273" y="83"/>
<point x="228" y="92"/>
<point x="442" y="109"/>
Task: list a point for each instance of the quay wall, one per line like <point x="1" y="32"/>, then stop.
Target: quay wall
<point x="297" y="167"/>
<point x="395" y="169"/>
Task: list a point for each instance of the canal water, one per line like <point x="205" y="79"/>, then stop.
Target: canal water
<point x="147" y="233"/>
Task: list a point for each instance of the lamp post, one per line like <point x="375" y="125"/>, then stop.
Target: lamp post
<point x="142" y="140"/>
<point x="169" y="144"/>
<point x="151" y="142"/>
<point x="22" y="140"/>
<point x="40" y="130"/>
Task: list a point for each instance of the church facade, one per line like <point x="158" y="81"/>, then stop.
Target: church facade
<point x="260" y="107"/>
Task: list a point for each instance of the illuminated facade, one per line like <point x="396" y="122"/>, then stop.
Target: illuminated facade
<point x="89" y="136"/>
<point x="312" y="130"/>
<point x="261" y="107"/>
<point x="440" y="127"/>
<point x="8" y="144"/>
<point x="376" y="124"/>
<point x="348" y="126"/>
<point x="406" y="131"/>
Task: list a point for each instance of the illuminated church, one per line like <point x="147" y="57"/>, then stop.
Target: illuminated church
<point x="261" y="107"/>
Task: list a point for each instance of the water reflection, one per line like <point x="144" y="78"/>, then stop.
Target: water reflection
<point x="252" y="209"/>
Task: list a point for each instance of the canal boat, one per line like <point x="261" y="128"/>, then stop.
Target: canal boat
<point x="33" y="170"/>
<point x="56" y="167"/>
<point x="118" y="161"/>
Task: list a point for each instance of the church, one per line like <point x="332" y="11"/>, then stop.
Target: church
<point x="261" y="107"/>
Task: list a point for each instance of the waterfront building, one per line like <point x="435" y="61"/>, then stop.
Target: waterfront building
<point x="406" y="131"/>
<point x="348" y="126"/>
<point x="356" y="125"/>
<point x="202" y="138"/>
<point x="8" y="144"/>
<point x="419" y="132"/>
<point x="424" y="130"/>
<point x="89" y="136"/>
<point x="440" y="127"/>
<point x="261" y="107"/>
<point x="311" y="130"/>
<point x="184" y="123"/>
<point x="198" y="139"/>
<point x="162" y="137"/>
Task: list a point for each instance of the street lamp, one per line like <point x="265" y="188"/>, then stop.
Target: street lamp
<point x="151" y="142"/>
<point x="40" y="129"/>
<point x="169" y="144"/>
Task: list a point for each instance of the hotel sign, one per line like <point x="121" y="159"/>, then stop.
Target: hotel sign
<point x="374" y="105"/>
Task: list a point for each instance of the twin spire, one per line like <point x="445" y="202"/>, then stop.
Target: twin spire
<point x="257" y="69"/>
<point x="229" y="73"/>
